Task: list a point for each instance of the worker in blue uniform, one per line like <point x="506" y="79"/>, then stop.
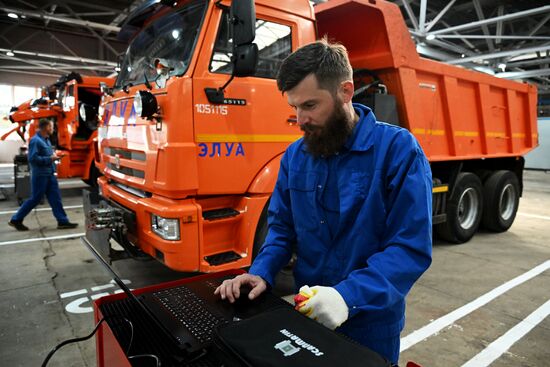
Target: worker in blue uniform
<point x="43" y="180"/>
<point x="353" y="198"/>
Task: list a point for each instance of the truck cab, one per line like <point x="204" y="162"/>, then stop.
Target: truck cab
<point x="66" y="103"/>
<point x="193" y="174"/>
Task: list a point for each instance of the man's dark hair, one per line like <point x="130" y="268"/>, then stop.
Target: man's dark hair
<point x="327" y="61"/>
<point x="42" y="123"/>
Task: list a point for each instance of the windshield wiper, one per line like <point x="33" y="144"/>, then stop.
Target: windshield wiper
<point x="147" y="84"/>
<point x="126" y="88"/>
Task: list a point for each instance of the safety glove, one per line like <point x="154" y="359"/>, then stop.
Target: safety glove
<point x="323" y="304"/>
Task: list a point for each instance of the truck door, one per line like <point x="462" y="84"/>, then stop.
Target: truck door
<point x="67" y="124"/>
<point x="255" y="124"/>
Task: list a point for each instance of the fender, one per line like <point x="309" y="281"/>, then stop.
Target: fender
<point x="264" y="182"/>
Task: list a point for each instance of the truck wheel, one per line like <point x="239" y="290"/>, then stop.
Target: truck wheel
<point x="464" y="210"/>
<point x="261" y="233"/>
<point x="259" y="240"/>
<point x="501" y="201"/>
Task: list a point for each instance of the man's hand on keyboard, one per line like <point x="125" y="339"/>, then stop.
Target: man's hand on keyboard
<point x="231" y="288"/>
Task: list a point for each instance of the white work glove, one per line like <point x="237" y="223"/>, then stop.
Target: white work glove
<point x="325" y="305"/>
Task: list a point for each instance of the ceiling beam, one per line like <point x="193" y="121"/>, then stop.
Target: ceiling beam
<point x="479" y="23"/>
<point x="92" y="31"/>
<point x="422" y="16"/>
<point x="433" y="53"/>
<point x="532" y="62"/>
<point x="33" y="27"/>
<point x="483" y="36"/>
<point x="500" y="12"/>
<point x="523" y="74"/>
<point x="500" y="54"/>
<point x="60" y="57"/>
<point x="410" y="13"/>
<point x="484" y="28"/>
<point x="439" y="15"/>
<point x="26" y="72"/>
<point x="61" y="19"/>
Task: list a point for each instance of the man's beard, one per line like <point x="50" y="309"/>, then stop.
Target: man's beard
<point x="324" y="141"/>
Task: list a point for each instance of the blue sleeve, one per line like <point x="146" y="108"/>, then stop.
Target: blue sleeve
<point x="34" y="154"/>
<point x="407" y="242"/>
<point x="277" y="249"/>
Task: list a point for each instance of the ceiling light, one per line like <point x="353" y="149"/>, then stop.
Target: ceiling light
<point x="430" y="37"/>
<point x="13" y="15"/>
<point x="10" y="53"/>
<point x="502" y="66"/>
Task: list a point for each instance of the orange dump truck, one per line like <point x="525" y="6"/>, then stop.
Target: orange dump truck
<point x="71" y="103"/>
<point x="194" y="129"/>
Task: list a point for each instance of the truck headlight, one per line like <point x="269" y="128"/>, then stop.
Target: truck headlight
<point x="166" y="228"/>
<point x="145" y="104"/>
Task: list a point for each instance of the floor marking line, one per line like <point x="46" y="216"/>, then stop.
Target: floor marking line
<point x="534" y="216"/>
<point x="75" y="184"/>
<point x="102" y="287"/>
<point x="13" y="211"/>
<point x="73" y="293"/>
<point x="437" y="325"/>
<point x="63" y="237"/>
<point x="497" y="348"/>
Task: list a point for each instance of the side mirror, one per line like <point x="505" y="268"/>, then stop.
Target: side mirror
<point x="245" y="52"/>
<point x="243" y="18"/>
<point x="245" y="60"/>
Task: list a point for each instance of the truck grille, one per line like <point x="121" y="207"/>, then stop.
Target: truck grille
<point x="127" y="171"/>
<point x="125" y="161"/>
<point x="126" y="154"/>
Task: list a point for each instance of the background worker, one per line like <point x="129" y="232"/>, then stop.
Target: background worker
<point x="354" y="197"/>
<point x="43" y="180"/>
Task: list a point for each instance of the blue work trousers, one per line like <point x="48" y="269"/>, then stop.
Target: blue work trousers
<point x="40" y="186"/>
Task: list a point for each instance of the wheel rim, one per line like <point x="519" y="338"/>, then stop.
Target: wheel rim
<point x="507" y="202"/>
<point x="468" y="208"/>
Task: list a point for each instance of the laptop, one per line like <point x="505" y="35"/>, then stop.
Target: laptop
<point x="188" y="314"/>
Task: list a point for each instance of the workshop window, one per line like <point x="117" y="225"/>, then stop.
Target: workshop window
<point x="274" y="45"/>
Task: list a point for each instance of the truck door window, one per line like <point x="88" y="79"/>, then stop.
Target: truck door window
<point x="68" y="99"/>
<point x="274" y="43"/>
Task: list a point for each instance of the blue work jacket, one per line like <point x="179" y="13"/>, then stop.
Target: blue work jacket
<point x="382" y="242"/>
<point x="40" y="153"/>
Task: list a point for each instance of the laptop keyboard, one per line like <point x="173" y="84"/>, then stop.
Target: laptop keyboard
<point x="191" y="311"/>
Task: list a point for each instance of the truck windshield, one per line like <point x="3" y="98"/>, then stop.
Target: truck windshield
<point x="169" y="39"/>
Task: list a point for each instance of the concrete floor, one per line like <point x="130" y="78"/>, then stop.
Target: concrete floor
<point x="46" y="287"/>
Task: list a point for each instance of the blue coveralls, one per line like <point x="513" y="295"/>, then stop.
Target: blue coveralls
<point x="43" y="180"/>
<point x="360" y="222"/>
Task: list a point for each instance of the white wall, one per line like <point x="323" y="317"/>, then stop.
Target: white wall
<point x="540" y="157"/>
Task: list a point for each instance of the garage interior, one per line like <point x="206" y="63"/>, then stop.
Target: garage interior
<point x="488" y="293"/>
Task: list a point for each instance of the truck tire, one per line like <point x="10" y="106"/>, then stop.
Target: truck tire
<point x="464" y="210"/>
<point x="259" y="239"/>
<point x="261" y="233"/>
<point x="500" y="201"/>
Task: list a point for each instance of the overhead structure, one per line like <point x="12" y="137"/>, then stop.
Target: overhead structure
<point x="510" y="39"/>
<point x="504" y="37"/>
<point x="48" y="38"/>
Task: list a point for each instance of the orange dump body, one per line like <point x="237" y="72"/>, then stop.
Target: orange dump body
<point x="455" y="113"/>
<point x="71" y="138"/>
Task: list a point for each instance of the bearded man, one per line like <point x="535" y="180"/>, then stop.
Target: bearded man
<point x="353" y="198"/>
